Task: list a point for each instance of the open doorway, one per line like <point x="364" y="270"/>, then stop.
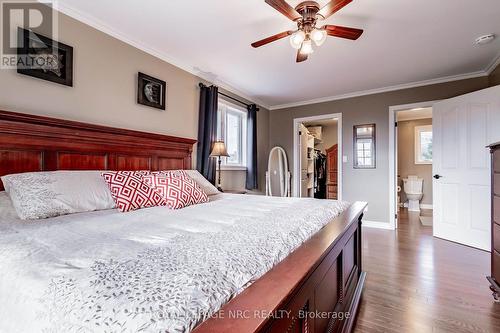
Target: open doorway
<point x="410" y="163"/>
<point x="317" y="149"/>
<point x="414" y="164"/>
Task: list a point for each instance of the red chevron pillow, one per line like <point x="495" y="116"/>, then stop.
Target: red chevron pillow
<point x="130" y="192"/>
<point x="177" y="188"/>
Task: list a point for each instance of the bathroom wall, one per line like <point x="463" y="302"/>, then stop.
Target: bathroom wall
<point x="406" y="158"/>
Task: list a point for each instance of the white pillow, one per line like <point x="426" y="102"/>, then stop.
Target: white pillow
<point x="37" y="195"/>
<point x="205" y="185"/>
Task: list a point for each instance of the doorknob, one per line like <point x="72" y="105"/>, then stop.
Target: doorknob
<point x="437" y="176"/>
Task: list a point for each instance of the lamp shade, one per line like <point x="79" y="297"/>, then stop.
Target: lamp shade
<point x="219" y="149"/>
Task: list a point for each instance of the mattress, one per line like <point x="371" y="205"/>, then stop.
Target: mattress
<point x="149" y="270"/>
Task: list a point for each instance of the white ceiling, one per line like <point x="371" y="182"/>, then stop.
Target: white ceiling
<point x="405" y="42"/>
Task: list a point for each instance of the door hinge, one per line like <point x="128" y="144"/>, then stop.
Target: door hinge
<point x="300" y="132"/>
<point x="396" y="216"/>
<point x="396" y="124"/>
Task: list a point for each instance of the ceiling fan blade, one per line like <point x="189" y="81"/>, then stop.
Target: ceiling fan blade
<point x="343" y="32"/>
<point x="301" y="56"/>
<point x="284" y="8"/>
<point x="332" y="7"/>
<point x="272" y="38"/>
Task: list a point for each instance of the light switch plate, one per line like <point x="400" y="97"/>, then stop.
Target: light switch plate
<point x="344" y="158"/>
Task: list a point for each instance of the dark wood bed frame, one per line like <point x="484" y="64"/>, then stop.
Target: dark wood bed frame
<point x="317" y="288"/>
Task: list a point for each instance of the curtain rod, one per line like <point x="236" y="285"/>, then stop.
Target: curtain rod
<point x="230" y="97"/>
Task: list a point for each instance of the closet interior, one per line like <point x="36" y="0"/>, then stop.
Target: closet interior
<point x="319" y="159"/>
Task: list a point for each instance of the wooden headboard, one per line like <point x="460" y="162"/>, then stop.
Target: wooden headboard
<point x="34" y="143"/>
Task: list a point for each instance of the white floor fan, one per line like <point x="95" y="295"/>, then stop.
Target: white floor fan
<point x="277" y="174"/>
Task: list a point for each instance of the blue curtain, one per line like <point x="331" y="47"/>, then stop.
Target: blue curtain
<point x="207" y="131"/>
<point x="252" y="180"/>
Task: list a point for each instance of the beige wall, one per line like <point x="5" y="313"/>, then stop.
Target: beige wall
<point x="104" y="90"/>
<point x="371" y="185"/>
<point x="104" y="86"/>
<point x="406" y="159"/>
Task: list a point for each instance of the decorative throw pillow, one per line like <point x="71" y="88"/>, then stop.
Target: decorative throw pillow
<point x="204" y="184"/>
<point x="177" y="188"/>
<point x="38" y="195"/>
<point x="129" y="190"/>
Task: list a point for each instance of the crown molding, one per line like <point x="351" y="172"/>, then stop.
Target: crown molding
<point x="101" y="26"/>
<point x="493" y="64"/>
<point x="383" y="89"/>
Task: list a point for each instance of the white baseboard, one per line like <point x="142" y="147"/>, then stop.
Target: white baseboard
<point x="423" y="206"/>
<point x="378" y="225"/>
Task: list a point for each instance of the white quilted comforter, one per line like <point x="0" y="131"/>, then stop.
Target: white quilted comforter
<point x="150" y="270"/>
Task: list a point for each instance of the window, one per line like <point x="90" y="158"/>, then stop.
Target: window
<point x="232" y="129"/>
<point x="423" y="144"/>
<point x="364" y="146"/>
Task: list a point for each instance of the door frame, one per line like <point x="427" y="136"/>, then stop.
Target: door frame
<point x="296" y="150"/>
<point x="393" y="161"/>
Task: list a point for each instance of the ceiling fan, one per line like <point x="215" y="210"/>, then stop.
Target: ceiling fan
<point x="306" y="15"/>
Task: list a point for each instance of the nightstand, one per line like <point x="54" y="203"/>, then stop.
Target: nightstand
<point x="235" y="191"/>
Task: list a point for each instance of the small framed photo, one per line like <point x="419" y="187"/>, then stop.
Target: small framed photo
<point x="151" y="91"/>
<point x="44" y="58"/>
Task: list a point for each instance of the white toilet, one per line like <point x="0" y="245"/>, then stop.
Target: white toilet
<point x="413" y="187"/>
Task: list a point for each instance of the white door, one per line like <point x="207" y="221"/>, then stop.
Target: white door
<point x="462" y="128"/>
<point x="303" y="160"/>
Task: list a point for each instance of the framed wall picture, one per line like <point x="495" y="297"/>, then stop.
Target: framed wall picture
<point x="364" y="146"/>
<point x="151" y="91"/>
<point x="44" y="58"/>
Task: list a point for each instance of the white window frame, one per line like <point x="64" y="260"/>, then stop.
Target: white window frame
<point x="418" y="146"/>
<point x="225" y="108"/>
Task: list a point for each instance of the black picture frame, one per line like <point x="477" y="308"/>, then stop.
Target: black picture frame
<point x="44" y="58"/>
<point x="151" y="91"/>
<point x="370" y="137"/>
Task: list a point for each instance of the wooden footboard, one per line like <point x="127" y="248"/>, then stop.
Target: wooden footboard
<point x="317" y="288"/>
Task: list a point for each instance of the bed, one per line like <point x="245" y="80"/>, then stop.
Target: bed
<point x="239" y="263"/>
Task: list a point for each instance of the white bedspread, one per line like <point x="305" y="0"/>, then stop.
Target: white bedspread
<point x="150" y="270"/>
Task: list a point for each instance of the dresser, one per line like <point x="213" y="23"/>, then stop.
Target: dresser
<point x="495" y="221"/>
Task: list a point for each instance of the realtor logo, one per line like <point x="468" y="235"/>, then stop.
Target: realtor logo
<point x="30" y="16"/>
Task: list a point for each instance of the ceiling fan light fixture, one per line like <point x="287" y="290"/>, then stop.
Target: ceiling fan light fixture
<point x="297" y="38"/>
<point x="305" y="16"/>
<point x="318" y="36"/>
<point x="306" y="47"/>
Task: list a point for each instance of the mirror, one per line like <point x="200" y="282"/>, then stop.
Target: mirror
<point x="277" y="174"/>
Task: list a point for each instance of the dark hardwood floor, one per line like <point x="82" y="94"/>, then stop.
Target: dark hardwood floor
<point x="417" y="283"/>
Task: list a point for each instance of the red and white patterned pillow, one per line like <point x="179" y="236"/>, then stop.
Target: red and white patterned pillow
<point x="130" y="192"/>
<point x="177" y="188"/>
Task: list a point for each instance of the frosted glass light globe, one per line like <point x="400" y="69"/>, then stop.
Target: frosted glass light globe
<point x="318" y="36"/>
<point x="297" y="38"/>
